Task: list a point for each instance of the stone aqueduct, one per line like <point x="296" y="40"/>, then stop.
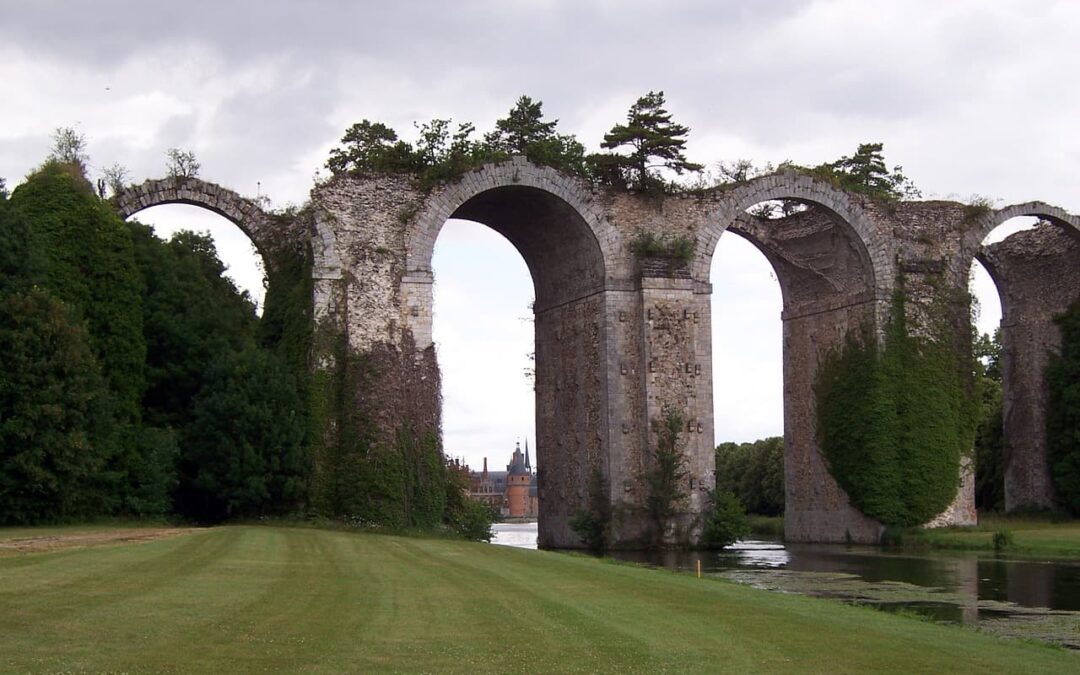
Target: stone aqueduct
<point x="617" y="340"/>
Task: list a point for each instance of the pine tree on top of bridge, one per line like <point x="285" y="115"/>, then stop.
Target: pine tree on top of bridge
<point x="525" y="132"/>
<point x="522" y="127"/>
<point x="651" y="136"/>
<point x="865" y="172"/>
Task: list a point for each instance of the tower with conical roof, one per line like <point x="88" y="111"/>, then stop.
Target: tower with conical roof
<point x="518" y="480"/>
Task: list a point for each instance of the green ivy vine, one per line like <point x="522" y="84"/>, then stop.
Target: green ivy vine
<point x="895" y="419"/>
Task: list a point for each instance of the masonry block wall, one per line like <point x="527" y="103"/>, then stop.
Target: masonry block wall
<point x="620" y="339"/>
<point x="1038" y="276"/>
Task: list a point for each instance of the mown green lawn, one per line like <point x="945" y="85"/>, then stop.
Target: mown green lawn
<point x="278" y="599"/>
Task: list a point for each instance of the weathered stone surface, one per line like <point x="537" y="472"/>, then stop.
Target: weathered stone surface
<point x="619" y="339"/>
<point x="1037" y="273"/>
<point x="243" y="212"/>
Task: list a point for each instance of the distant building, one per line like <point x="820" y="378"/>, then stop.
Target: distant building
<point x="512" y="492"/>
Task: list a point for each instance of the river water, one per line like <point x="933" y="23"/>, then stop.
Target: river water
<point x="1035" y="599"/>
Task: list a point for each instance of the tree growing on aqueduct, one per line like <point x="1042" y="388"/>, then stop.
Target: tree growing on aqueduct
<point x="651" y="136"/>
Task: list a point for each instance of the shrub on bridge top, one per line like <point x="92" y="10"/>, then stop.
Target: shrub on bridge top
<point x="1063" y="414"/>
<point x="440" y="154"/>
<point x="865" y="172"/>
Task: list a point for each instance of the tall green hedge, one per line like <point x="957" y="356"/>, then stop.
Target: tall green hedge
<point x="90" y="266"/>
<point x="894" y="420"/>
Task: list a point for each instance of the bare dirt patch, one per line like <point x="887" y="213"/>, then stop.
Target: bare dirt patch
<point x="53" y="542"/>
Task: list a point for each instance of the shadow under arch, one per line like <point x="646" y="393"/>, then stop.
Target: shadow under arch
<point x="848" y="214"/>
<point x="827" y="281"/>
<point x="548" y="221"/>
<point x="566" y="222"/>
<point x="562" y="253"/>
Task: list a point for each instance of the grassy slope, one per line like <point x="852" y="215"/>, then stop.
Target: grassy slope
<point x="260" y="598"/>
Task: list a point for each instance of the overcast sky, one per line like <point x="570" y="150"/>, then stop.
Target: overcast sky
<point x="970" y="96"/>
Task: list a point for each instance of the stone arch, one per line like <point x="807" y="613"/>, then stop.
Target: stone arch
<point x="983" y="226"/>
<point x="481" y="194"/>
<point x="833" y="266"/>
<point x="241" y="211"/>
<point x="1036" y="273"/>
<point x="874" y="247"/>
<point x="565" y="240"/>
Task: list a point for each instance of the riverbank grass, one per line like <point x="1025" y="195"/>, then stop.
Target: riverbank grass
<point x="240" y="599"/>
<point x="1019" y="536"/>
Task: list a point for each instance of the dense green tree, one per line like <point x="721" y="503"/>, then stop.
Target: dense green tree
<point x="1063" y="413"/>
<point x="592" y="524"/>
<point x="242" y="453"/>
<point x="464" y="515"/>
<point x="55" y="423"/>
<point x="90" y="266"/>
<point x="55" y="417"/>
<point x="191" y="314"/>
<point x="21" y="260"/>
<point x="989" y="437"/>
<point x="371" y="147"/>
<point x="654" y="142"/>
<point x="753" y="472"/>
<point x="525" y="132"/>
<point x="152" y="473"/>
